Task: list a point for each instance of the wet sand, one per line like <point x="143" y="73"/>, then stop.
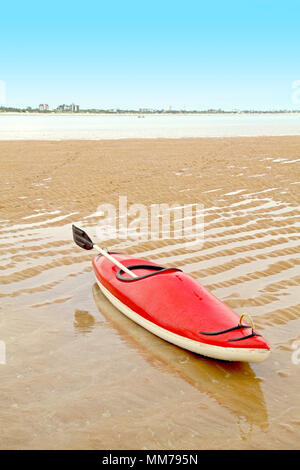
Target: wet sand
<point x="80" y="375"/>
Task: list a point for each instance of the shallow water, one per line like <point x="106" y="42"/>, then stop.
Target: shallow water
<point x="85" y="126"/>
<point x="79" y="374"/>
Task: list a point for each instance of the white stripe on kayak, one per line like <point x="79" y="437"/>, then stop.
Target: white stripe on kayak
<point x="210" y="350"/>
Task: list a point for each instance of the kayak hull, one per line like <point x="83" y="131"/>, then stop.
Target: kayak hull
<point x="215" y="352"/>
<point x="171" y="322"/>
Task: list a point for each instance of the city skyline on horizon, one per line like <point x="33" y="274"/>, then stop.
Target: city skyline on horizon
<point x="45" y="107"/>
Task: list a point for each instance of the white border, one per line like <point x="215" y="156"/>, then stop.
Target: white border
<point x="210" y="350"/>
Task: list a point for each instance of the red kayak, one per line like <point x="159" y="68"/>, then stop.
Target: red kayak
<point x="175" y="307"/>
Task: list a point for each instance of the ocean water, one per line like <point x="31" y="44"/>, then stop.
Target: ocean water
<point x="97" y="126"/>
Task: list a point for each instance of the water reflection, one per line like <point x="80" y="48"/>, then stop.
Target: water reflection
<point x="84" y="322"/>
<point x="233" y="385"/>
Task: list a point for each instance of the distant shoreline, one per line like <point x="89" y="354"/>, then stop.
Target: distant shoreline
<point x="137" y="113"/>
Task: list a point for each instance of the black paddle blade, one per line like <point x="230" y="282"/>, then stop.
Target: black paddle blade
<point x="81" y="238"/>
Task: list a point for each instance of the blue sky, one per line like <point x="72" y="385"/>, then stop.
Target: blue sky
<point x="131" y="54"/>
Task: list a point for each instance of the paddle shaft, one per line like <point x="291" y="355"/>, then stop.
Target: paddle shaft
<point x="114" y="261"/>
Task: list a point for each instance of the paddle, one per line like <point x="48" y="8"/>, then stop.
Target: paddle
<point x="83" y="240"/>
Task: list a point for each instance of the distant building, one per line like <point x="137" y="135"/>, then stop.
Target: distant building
<point x="43" y="107"/>
<point x="74" y="108"/>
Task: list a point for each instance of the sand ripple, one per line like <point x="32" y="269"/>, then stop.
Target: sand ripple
<point x="79" y="374"/>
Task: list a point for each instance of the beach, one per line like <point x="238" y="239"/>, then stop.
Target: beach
<point x="80" y="375"/>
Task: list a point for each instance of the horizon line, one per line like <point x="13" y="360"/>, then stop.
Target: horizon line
<point x="30" y="109"/>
